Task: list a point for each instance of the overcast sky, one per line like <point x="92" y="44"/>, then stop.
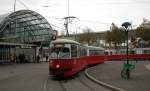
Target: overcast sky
<point x="95" y="14"/>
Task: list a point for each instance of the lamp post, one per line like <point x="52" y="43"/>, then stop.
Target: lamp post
<point x="126" y="26"/>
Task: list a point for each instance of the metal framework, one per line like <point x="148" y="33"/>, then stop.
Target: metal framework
<point x="24" y="26"/>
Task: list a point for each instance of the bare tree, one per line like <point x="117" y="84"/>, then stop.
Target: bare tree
<point x="108" y="37"/>
<point x="88" y="36"/>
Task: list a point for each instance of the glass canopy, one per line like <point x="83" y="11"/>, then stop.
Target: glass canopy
<point x="24" y="26"/>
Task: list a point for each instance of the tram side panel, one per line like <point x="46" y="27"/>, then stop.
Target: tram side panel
<point x="95" y="56"/>
<point x="137" y="53"/>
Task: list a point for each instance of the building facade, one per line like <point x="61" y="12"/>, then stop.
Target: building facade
<point x="23" y="32"/>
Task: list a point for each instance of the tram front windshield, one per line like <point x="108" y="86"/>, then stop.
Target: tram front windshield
<point x="60" y="52"/>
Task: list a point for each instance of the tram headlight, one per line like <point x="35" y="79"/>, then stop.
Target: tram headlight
<point x="57" y="66"/>
<point x="51" y="62"/>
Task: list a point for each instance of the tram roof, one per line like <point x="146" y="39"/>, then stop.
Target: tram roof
<point x="67" y="41"/>
<point x="95" y="48"/>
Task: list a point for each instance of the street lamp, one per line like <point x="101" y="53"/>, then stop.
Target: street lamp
<point x="126" y="26"/>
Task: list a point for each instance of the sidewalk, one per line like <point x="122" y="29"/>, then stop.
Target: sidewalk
<point x="147" y="66"/>
<point x="109" y="73"/>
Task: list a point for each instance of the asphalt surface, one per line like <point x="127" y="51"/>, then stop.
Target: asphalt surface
<point x="34" y="77"/>
<point x="77" y="83"/>
<point x="23" y="77"/>
<point x="109" y="72"/>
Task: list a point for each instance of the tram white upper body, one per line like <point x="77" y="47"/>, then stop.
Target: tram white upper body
<point x="66" y="41"/>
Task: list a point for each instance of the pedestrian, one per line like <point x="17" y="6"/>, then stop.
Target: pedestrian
<point x="20" y="57"/>
<point x="38" y="58"/>
<point x="46" y="58"/>
<point x="11" y="58"/>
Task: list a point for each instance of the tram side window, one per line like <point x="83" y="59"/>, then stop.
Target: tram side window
<point x="95" y="52"/>
<point x="146" y="51"/>
<point x="83" y="51"/>
<point x="73" y="51"/>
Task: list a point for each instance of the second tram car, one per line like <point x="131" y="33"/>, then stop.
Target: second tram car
<point x="68" y="57"/>
<point x="136" y="53"/>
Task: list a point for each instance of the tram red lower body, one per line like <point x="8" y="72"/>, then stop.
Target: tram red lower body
<point x="124" y="56"/>
<point x="69" y="67"/>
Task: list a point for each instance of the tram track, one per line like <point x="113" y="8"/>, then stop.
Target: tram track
<point x="80" y="83"/>
<point x="61" y="85"/>
<point x="80" y="79"/>
<point x="84" y="83"/>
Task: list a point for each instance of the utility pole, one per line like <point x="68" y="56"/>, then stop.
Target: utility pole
<point x="67" y="21"/>
<point x="14" y="5"/>
<point x="15" y="18"/>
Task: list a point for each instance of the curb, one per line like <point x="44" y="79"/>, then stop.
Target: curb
<point x="147" y="66"/>
<point x="113" y="88"/>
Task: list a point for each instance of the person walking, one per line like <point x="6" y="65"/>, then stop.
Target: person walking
<point x="38" y="58"/>
<point x="46" y="58"/>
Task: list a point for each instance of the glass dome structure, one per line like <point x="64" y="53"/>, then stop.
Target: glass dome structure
<point x="24" y="26"/>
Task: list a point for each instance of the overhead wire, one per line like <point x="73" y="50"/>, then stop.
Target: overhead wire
<point x="82" y="20"/>
<point x="6" y="10"/>
<point x="23" y="4"/>
<point x="126" y="2"/>
<point x="56" y="26"/>
<point x="89" y="21"/>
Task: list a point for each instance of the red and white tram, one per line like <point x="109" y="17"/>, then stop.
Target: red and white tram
<point x="68" y="57"/>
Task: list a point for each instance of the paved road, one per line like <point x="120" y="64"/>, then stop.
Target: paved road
<point x="23" y="77"/>
<point x="109" y="73"/>
<point x="79" y="83"/>
<point x="34" y="77"/>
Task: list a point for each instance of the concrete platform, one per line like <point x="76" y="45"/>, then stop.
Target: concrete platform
<point x="109" y="73"/>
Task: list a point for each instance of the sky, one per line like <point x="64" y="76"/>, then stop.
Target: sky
<point x="97" y="15"/>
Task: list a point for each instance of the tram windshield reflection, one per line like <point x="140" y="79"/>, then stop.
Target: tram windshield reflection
<point x="60" y="52"/>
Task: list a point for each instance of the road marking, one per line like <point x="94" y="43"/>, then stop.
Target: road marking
<point x="44" y="86"/>
<point x="147" y="66"/>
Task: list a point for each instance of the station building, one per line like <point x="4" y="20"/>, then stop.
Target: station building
<point x="23" y="32"/>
